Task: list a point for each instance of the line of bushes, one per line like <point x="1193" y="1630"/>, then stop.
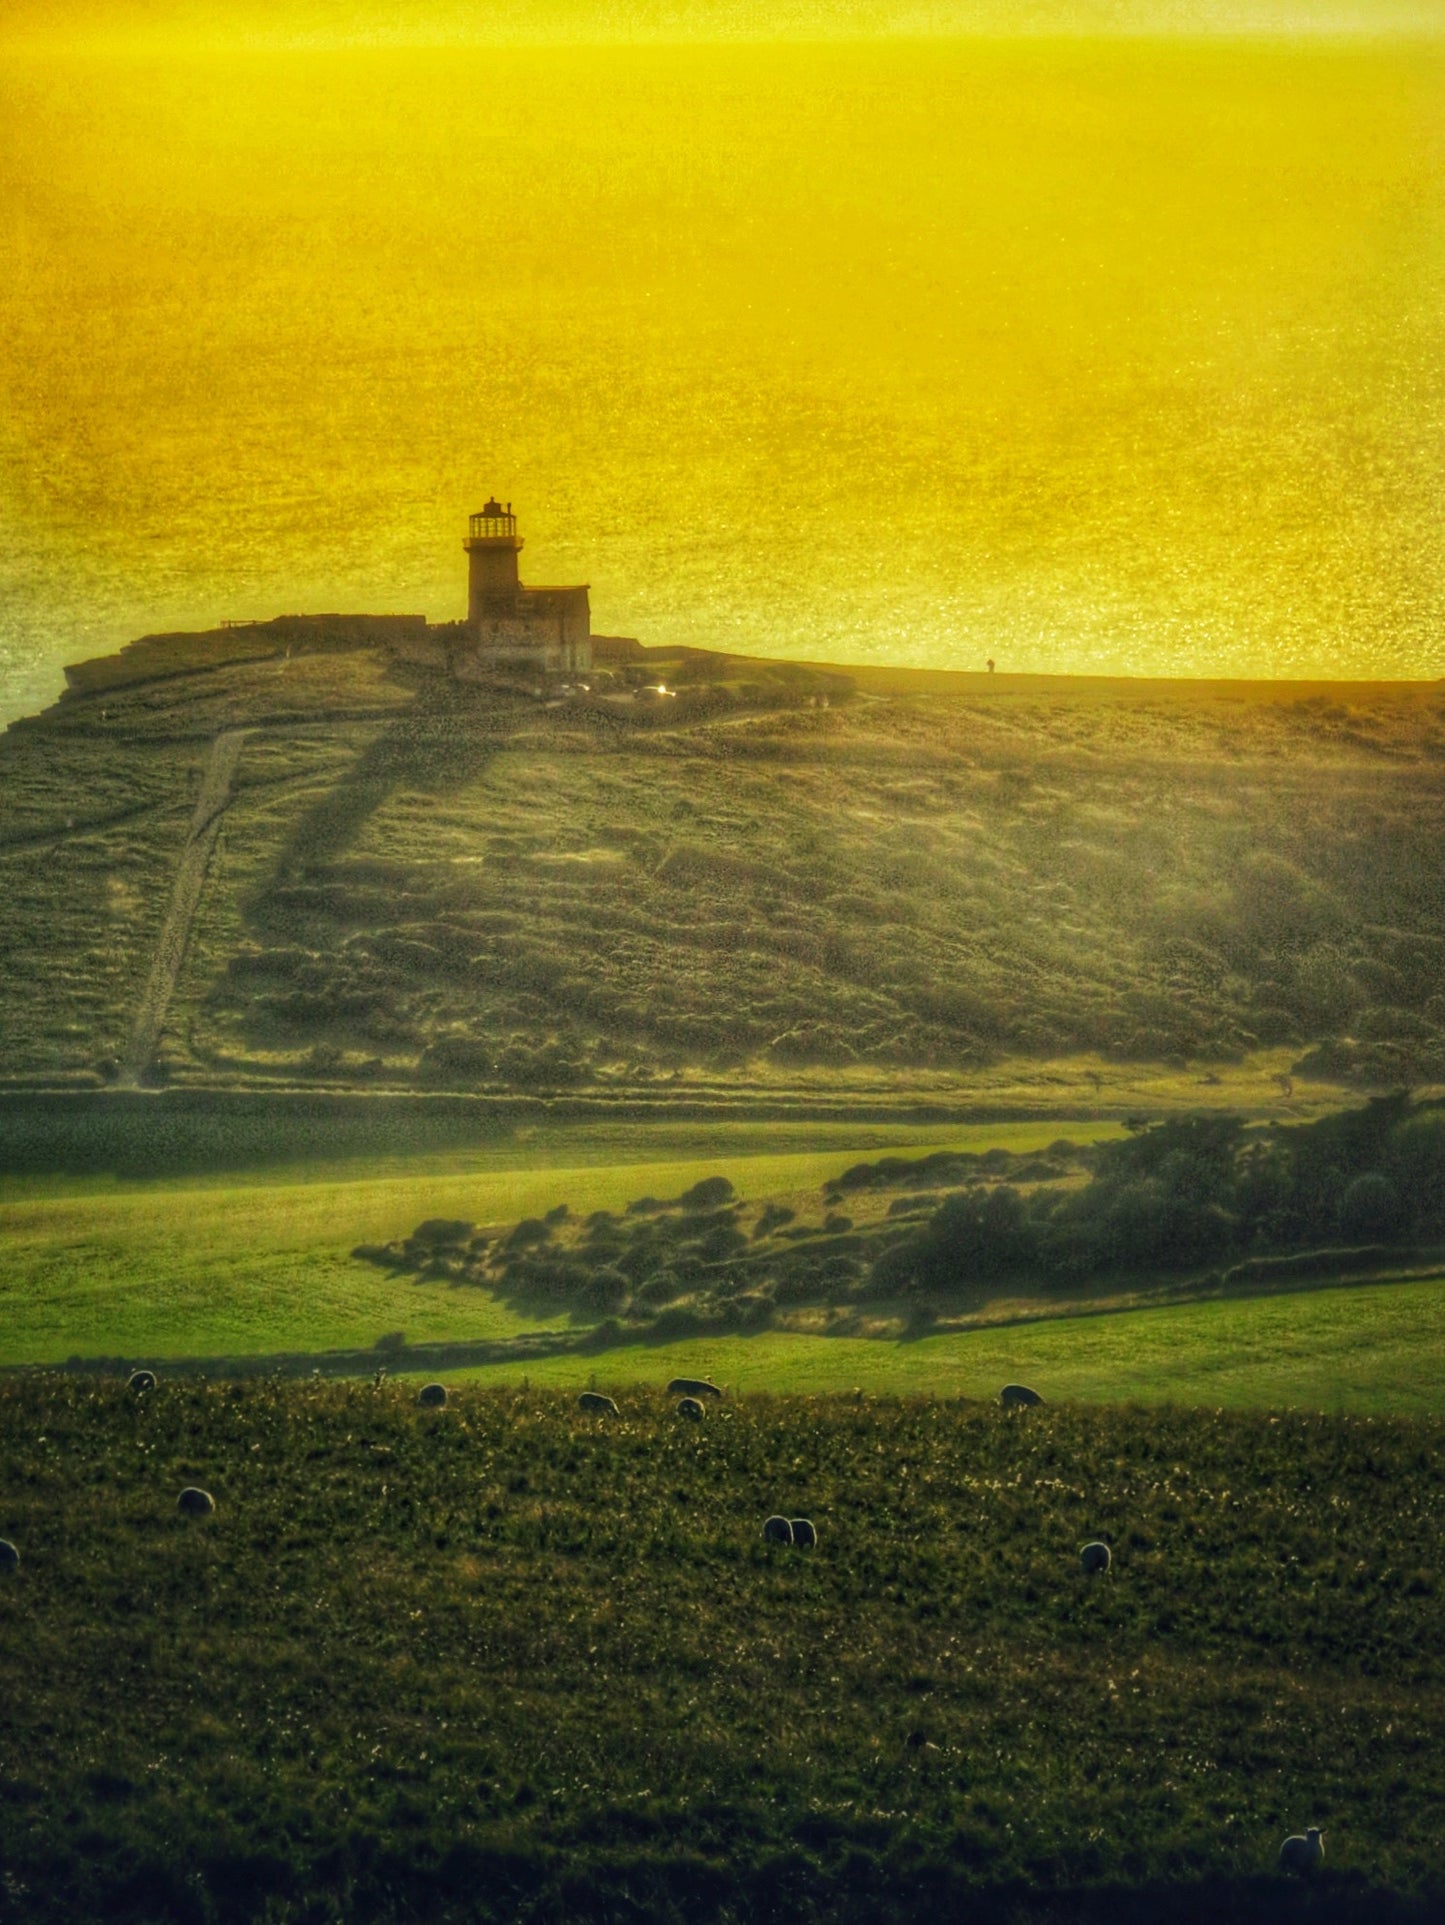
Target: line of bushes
<point x="1192" y="1193"/>
<point x="1182" y="1197"/>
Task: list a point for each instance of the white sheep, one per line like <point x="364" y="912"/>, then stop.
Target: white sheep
<point x="1095" y="1557"/>
<point x="805" y="1534"/>
<point x="432" y="1395"/>
<point x="1013" y="1396"/>
<point x="691" y="1408"/>
<point x="777" y="1530"/>
<point x="692" y="1387"/>
<point x="1304" y="1854"/>
<point x="9" y="1556"/>
<point x="194" y="1502"/>
<point x="140" y="1380"/>
<point x="594" y="1400"/>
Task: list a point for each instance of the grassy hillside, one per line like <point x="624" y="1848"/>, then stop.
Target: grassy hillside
<point x="505" y="1661"/>
<point x="780" y="881"/>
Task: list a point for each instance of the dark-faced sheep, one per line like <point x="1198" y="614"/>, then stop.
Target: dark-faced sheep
<point x="593" y="1400"/>
<point x="9" y="1556"/>
<point x="1016" y="1396"/>
<point x="1304" y="1854"/>
<point x="1094" y="1557"/>
<point x="692" y="1387"/>
<point x="140" y="1380"/>
<point x="777" y="1530"/>
<point x="194" y="1502"/>
<point x="432" y="1395"/>
<point x="691" y="1409"/>
<point x="805" y="1535"/>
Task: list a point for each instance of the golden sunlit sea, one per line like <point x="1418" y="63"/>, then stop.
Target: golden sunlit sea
<point x="1098" y="356"/>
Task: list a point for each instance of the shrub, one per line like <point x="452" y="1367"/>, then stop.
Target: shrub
<point x="661" y="1287"/>
<point x="604" y="1293"/>
<point x="708" y="1194"/>
<point x="1415" y="1164"/>
<point x="1370" y="1207"/>
<point x="772" y="1217"/>
<point x="528" y="1233"/>
<point x="720" y="1241"/>
<point x="439" y="1232"/>
<point x="976" y="1234"/>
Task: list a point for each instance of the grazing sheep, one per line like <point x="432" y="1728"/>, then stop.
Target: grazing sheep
<point x="9" y="1556"/>
<point x="777" y="1530"/>
<point x="1095" y="1557"/>
<point x="1013" y="1396"/>
<point x="1304" y="1854"/>
<point x="194" y="1502"/>
<point x="805" y="1535"/>
<point x="594" y="1400"/>
<point x="140" y="1380"/>
<point x="691" y="1409"/>
<point x="432" y="1395"/>
<point x="692" y="1387"/>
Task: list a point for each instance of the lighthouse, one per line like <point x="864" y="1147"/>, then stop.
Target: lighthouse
<point x="492" y="546"/>
<point x="546" y="631"/>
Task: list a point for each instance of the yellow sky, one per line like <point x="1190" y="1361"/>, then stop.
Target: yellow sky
<point x="155" y="25"/>
<point x="1113" y="355"/>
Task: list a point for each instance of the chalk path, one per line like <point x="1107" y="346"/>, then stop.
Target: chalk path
<point x="185" y="896"/>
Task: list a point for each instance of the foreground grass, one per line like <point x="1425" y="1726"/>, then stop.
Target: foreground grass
<point x="506" y="1662"/>
<point x="205" y="1268"/>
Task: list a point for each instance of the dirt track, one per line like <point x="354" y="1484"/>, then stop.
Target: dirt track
<point x="186" y="894"/>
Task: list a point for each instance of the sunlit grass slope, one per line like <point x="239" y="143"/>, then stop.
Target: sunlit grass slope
<point x="211" y="1269"/>
<point x="509" y="1662"/>
<point x="232" y="1271"/>
<point x="1379" y="1348"/>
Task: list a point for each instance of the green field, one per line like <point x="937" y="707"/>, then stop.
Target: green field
<point x="1380" y="1348"/>
<point x="229" y="1269"/>
<point x="509" y="1662"/>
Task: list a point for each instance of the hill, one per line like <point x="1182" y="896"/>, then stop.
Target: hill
<point x="281" y="863"/>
